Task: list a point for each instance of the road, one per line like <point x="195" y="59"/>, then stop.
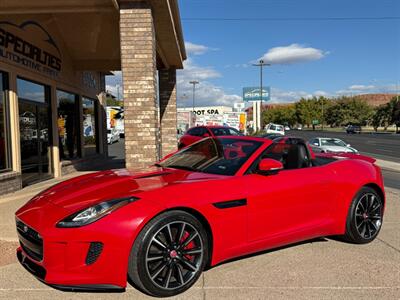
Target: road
<point x="382" y="146"/>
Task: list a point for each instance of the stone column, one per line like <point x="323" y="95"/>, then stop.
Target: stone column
<point x="168" y="114"/>
<point x="138" y="64"/>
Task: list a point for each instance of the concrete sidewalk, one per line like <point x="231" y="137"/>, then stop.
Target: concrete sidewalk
<point x="318" y="269"/>
<point x="390" y="165"/>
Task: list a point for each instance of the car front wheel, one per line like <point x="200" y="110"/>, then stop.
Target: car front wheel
<point x="169" y="254"/>
<point x="364" y="218"/>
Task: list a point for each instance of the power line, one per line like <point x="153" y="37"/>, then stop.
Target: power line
<point x="383" y="18"/>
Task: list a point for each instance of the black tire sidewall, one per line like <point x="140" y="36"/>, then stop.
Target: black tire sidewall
<point x="138" y="254"/>
<point x="351" y="229"/>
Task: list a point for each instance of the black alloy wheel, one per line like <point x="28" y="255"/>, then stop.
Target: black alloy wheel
<point x="169" y="254"/>
<point x="368" y="215"/>
<point x="365" y="217"/>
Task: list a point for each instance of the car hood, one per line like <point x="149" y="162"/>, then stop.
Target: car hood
<point x="338" y="149"/>
<point x="88" y="190"/>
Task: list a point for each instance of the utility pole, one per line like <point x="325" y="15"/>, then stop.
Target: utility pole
<point x="194" y="82"/>
<point x="322" y="121"/>
<point x="261" y="64"/>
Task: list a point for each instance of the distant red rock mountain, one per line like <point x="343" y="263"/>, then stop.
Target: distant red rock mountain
<point x="375" y="99"/>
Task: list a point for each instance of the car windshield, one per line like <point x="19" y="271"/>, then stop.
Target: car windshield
<point x="223" y="156"/>
<point x="333" y="142"/>
<point x="224" y="131"/>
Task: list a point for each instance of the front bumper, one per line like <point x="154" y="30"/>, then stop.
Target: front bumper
<point x="40" y="273"/>
<point x="93" y="257"/>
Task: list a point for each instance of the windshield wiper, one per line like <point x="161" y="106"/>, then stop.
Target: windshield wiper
<point x="187" y="168"/>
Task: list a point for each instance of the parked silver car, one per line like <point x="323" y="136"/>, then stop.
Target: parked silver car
<point x="330" y="145"/>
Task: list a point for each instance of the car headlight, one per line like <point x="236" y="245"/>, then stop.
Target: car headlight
<point x="94" y="213"/>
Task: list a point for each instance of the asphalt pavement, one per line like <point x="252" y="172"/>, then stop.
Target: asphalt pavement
<point x="381" y="146"/>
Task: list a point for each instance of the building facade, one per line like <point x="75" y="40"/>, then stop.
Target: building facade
<point x="54" y="56"/>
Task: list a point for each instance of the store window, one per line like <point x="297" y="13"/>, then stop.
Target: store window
<point x="68" y="125"/>
<point x="89" y="126"/>
<point x="4" y="132"/>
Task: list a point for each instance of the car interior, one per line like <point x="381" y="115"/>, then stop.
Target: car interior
<point x="292" y="153"/>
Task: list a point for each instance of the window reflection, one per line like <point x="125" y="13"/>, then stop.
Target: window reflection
<point x="30" y="90"/>
<point x="68" y="125"/>
<point x="89" y="125"/>
<point x="3" y="125"/>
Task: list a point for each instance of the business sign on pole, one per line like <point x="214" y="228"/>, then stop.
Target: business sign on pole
<point x="236" y="120"/>
<point x="238" y="105"/>
<point x="253" y="93"/>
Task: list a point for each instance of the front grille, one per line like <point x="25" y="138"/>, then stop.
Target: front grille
<point x="94" y="252"/>
<point x="33" y="268"/>
<point x="30" y="240"/>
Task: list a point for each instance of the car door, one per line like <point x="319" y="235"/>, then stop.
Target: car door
<point x="291" y="202"/>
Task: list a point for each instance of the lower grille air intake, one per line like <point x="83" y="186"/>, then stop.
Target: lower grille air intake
<point x="94" y="252"/>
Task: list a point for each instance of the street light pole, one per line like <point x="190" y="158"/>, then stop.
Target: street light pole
<point x="194" y="82"/>
<point x="261" y="64"/>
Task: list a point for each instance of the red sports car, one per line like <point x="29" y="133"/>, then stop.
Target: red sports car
<point x="198" y="133"/>
<point x="214" y="200"/>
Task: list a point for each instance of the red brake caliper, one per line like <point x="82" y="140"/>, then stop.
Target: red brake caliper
<point x="188" y="246"/>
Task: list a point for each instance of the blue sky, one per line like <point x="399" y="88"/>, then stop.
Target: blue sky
<point x="309" y="57"/>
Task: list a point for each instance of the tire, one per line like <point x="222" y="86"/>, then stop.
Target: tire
<point x="364" y="219"/>
<point x="159" y="267"/>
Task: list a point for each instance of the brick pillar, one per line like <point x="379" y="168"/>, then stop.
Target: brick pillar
<point x="138" y="64"/>
<point x="167" y="92"/>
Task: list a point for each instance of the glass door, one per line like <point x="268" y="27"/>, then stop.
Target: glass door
<point x="34" y="122"/>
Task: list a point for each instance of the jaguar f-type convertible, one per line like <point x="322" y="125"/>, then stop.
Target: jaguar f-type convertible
<point x="212" y="201"/>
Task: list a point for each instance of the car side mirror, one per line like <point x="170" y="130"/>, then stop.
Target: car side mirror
<point x="315" y="144"/>
<point x="206" y="134"/>
<point x="269" y="166"/>
<point x="348" y="145"/>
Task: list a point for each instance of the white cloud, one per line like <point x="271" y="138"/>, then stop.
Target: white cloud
<point x="294" y="53"/>
<point x="282" y="96"/>
<point x="361" y="87"/>
<point x="196" y="49"/>
<point x="321" y="94"/>
<point x="192" y="71"/>
<point x="368" y="89"/>
<point x="206" y="92"/>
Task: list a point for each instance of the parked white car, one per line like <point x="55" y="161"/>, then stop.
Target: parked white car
<point x="275" y="128"/>
<point x="330" y="145"/>
<point x="112" y="135"/>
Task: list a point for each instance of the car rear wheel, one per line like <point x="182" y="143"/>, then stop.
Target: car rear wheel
<point x="365" y="215"/>
<point x="169" y="254"/>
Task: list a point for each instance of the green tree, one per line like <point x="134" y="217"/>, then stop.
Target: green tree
<point x="383" y="116"/>
<point x="395" y="117"/>
<point x="346" y="110"/>
<point x="280" y="115"/>
<point x="315" y="108"/>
